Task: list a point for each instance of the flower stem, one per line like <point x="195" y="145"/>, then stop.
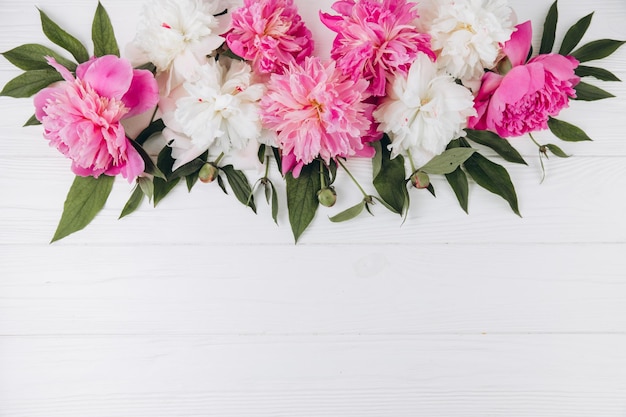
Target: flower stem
<point x="219" y="159"/>
<point x="413" y="169"/>
<point x="533" y="139"/>
<point x="267" y="166"/>
<point x="353" y="179"/>
<point x="156" y="109"/>
<point x="322" y="179"/>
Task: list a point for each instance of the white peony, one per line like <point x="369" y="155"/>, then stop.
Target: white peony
<point x="218" y="111"/>
<point x="467" y="35"/>
<point x="177" y="36"/>
<point x="424" y="111"/>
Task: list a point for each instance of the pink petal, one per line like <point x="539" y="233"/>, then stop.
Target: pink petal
<point x="65" y="73"/>
<point x="143" y="93"/>
<point x="109" y="75"/>
<point x="134" y="164"/>
<point x="518" y="47"/>
<point x="41" y="100"/>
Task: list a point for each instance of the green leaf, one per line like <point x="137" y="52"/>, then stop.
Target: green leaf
<point x="575" y="34"/>
<point x="502" y="146"/>
<point x="32" y="121"/>
<point x="556" y="151"/>
<point x="460" y="186"/>
<point x="60" y="37"/>
<point x="588" y="92"/>
<point x="302" y="199"/>
<point x="279" y="160"/>
<point x="30" y="83"/>
<point x="154" y="127"/>
<point x="549" y="30"/>
<point x="102" y="34"/>
<point x="189" y="168"/>
<point x="192" y="180"/>
<point x="597" y="49"/>
<point x="274" y="203"/>
<point x="448" y="161"/>
<point x="599" y="73"/>
<point x="147" y="186"/>
<point x="163" y="187"/>
<point x="33" y="57"/>
<point x="390" y="181"/>
<point x="261" y="153"/>
<point x="85" y="199"/>
<point x="240" y="186"/>
<point x="492" y="177"/>
<point x="133" y="202"/>
<point x="377" y="160"/>
<point x="220" y="182"/>
<point x="150" y="167"/>
<point x="567" y="131"/>
<point x="348" y="214"/>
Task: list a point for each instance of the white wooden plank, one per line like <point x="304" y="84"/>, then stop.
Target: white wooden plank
<point x="360" y="289"/>
<point x="448" y="376"/>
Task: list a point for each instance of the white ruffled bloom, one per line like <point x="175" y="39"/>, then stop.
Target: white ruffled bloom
<point x="177" y="36"/>
<point x="467" y="34"/>
<point x="220" y="111"/>
<point x="424" y="111"/>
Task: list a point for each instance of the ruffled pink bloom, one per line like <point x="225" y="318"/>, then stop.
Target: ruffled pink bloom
<point x="523" y="99"/>
<point x="270" y="33"/>
<point x="81" y="116"/>
<point x="375" y="39"/>
<point x="316" y="111"/>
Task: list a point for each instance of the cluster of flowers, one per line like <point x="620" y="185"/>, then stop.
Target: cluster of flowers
<point x="406" y="84"/>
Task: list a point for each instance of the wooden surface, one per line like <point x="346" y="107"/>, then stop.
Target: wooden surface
<point x="201" y="308"/>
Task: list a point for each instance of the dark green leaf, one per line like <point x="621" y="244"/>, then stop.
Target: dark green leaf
<point x="60" y="37"/>
<point x="154" y="127"/>
<point x="460" y="186"/>
<point x="33" y="57"/>
<point x="150" y="167"/>
<point x="102" y="34"/>
<point x="492" y="177"/>
<point x="588" y="92"/>
<point x="162" y="188"/>
<point x="348" y="214"/>
<point x="165" y="162"/>
<point x="192" y="180"/>
<point x="147" y="186"/>
<point x="261" y="153"/>
<point x="332" y="170"/>
<point x="240" y="186"/>
<point x="268" y="191"/>
<point x="85" y="199"/>
<point x="377" y="160"/>
<point x="32" y="121"/>
<point x="274" y="203"/>
<point x="148" y="67"/>
<point x="448" y="161"/>
<point x="390" y="181"/>
<point x="599" y="73"/>
<point x="279" y="160"/>
<point x="302" y="199"/>
<point x="549" y="30"/>
<point x="556" y="151"/>
<point x="189" y="168"/>
<point x="575" y="34"/>
<point x="30" y="83"/>
<point x="597" y="49"/>
<point x="133" y="202"/>
<point x="502" y="146"/>
<point x="566" y="131"/>
<point x="431" y="189"/>
<point x="220" y="182"/>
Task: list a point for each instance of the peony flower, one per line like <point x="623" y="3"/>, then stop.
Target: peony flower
<point x="424" y="111"/>
<point x="524" y="98"/>
<point x="81" y="116"/>
<point x="317" y="111"/>
<point x="177" y="36"/>
<point x="467" y="34"/>
<point x="270" y="33"/>
<point x="375" y="39"/>
<point x="219" y="110"/>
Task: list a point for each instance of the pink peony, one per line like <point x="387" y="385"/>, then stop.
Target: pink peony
<point x="81" y="116"/>
<point x="270" y="33"/>
<point x="375" y="39"/>
<point x="524" y="98"/>
<point x="316" y="111"/>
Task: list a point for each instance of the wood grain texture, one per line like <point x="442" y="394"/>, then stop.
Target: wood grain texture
<point x="201" y="308"/>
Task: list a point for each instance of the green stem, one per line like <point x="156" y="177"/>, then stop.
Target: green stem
<point x="353" y="179"/>
<point x="533" y="139"/>
<point x="267" y="166"/>
<point x="413" y="169"/>
<point x="322" y="179"/>
<point x="219" y="158"/>
<point x="156" y="109"/>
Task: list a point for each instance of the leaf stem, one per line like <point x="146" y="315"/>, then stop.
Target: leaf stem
<point x="533" y="139"/>
<point x="353" y="179"/>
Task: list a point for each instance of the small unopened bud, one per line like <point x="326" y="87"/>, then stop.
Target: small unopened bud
<point x="327" y="197"/>
<point x="420" y="180"/>
<point x="207" y="173"/>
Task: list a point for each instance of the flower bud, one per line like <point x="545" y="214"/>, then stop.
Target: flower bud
<point x="207" y="173"/>
<point x="327" y="197"/>
<point x="420" y="180"/>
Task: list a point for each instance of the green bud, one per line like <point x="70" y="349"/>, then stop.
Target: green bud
<point x="420" y="180"/>
<point x="327" y="197"/>
<point x="207" y="173"/>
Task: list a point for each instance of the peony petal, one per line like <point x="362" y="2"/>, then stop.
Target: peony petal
<point x="65" y="73"/>
<point x="134" y="165"/>
<point x="518" y="47"/>
<point x="143" y="93"/>
<point x="109" y="75"/>
<point x="41" y="99"/>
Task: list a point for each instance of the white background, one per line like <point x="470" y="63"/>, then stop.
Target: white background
<point x="201" y="308"/>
